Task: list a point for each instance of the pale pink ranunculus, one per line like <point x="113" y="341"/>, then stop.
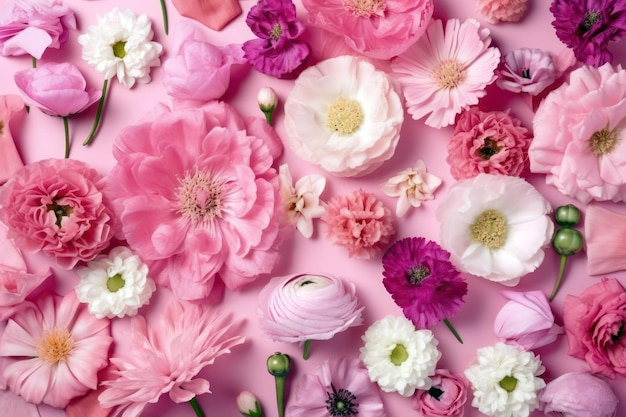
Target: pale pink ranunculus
<point x="11" y="106"/>
<point x="578" y="394"/>
<point x="299" y="307"/>
<point x="56" y="206"/>
<point x="526" y="320"/>
<point x="495" y="11"/>
<point x="197" y="70"/>
<point x="29" y="27"/>
<point x="447" y="397"/>
<point x="197" y="197"/>
<point x="57" y="89"/>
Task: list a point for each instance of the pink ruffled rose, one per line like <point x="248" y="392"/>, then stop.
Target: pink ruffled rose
<point x="496" y="11"/>
<point x="594" y="323"/>
<point x="578" y="394"/>
<point x="446" y="397"/>
<point x="56" y="206"/>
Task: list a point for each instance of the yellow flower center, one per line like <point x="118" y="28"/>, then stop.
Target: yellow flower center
<point x="115" y="283"/>
<point x="365" y="8"/>
<point x="603" y="141"/>
<point x="344" y="116"/>
<point x="200" y="197"/>
<point x="276" y="32"/>
<point x="489" y="229"/>
<point x="450" y="74"/>
<point x="398" y="355"/>
<point x="55" y="346"/>
<point x="119" y="49"/>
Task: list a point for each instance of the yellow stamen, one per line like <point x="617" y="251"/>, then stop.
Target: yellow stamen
<point x="603" y="141"/>
<point x="344" y="116"/>
<point x="450" y="74"/>
<point x="55" y="346"/>
<point x="489" y="229"/>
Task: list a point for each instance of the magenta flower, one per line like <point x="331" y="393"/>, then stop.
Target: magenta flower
<point x="11" y="106"/>
<point x="526" y="70"/>
<point x="578" y="394"/>
<point x="587" y="26"/>
<point x="446" y="397"/>
<point x="278" y="51"/>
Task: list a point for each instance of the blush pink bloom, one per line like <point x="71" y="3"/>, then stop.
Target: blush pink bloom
<point x="56" y="350"/>
<point x="197" y="70"/>
<point x="491" y="142"/>
<point x="595" y="326"/>
<point x="446" y="397"/>
<point x="578" y="394"/>
<point x="496" y="11"/>
<point x="378" y="29"/>
<point x="10" y="161"/>
<point x="168" y="356"/>
<point x="579" y="135"/>
<point x="358" y="222"/>
<point x="29" y="27"/>
<point x="605" y="245"/>
<point x="526" y="320"/>
<point x="412" y="186"/>
<point x="302" y="200"/>
<point x="527" y="70"/>
<point x="56" y="206"/>
<point x="197" y="197"/>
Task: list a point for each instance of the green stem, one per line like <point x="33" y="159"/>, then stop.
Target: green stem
<point x="280" y="395"/>
<point x="96" y="121"/>
<point x="165" y="20"/>
<point x="67" y="137"/>
<point x="196" y="407"/>
<point x="268" y="116"/>
<point x="453" y="330"/>
<point x="34" y="61"/>
<point x="558" y="280"/>
<point x="307" y="348"/>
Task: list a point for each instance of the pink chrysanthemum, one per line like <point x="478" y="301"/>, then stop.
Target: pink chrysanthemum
<point x="359" y="222"/>
<point x="496" y="11"/>
<point x="56" y="350"/>
<point x="444" y="73"/>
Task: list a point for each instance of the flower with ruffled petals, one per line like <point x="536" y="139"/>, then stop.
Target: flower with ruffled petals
<point x="526" y="70"/>
<point x="446" y="397"/>
<point x="444" y="73"/>
<point x="495" y="11"/>
<point x="11" y="106"/>
<point x="302" y="200"/>
<point x="577" y="394"/>
<point x="412" y="186"/>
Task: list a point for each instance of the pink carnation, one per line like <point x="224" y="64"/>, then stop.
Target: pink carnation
<point x="359" y="222"/>
<point x="496" y="11"/>
<point x="490" y="142"/>
<point x="56" y="206"/>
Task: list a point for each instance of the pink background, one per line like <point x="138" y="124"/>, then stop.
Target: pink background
<point x="41" y="136"/>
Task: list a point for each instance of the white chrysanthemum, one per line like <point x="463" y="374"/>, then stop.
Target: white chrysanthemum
<point x="399" y="357"/>
<point x="120" y="44"/>
<point x="505" y="381"/>
<point x="495" y="227"/>
<point x="115" y="285"/>
<point x="344" y="115"/>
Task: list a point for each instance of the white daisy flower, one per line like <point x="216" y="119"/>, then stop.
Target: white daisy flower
<point x="412" y="186"/>
<point x="302" y="200"/>
<point x="398" y="357"/>
<point x="115" y="285"/>
<point x="505" y="381"/>
<point x="120" y="44"/>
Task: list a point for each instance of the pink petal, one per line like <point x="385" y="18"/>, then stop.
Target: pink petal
<point x="13" y="405"/>
<point x="214" y="14"/>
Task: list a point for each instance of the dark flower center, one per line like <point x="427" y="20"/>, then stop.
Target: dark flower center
<point x="620" y="332"/>
<point x="490" y="148"/>
<point x="435" y="392"/>
<point x="417" y="274"/>
<point x="1" y="127"/>
<point x="276" y="32"/>
<point x="341" y="403"/>
<point x="526" y="73"/>
<point x="591" y="18"/>
<point x="118" y="49"/>
<point x="59" y="211"/>
<point x="603" y="141"/>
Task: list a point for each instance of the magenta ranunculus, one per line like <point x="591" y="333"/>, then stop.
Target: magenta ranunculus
<point x="56" y="206"/>
<point x="197" y="197"/>
<point x="578" y="394"/>
<point x="446" y="397"/>
<point x="29" y="27"/>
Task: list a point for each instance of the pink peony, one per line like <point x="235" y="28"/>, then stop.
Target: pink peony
<point x="167" y="357"/>
<point x="198" y="70"/>
<point x="594" y="324"/>
<point x="378" y="29"/>
<point x="56" y="206"/>
<point x="359" y="222"/>
<point x="29" y="27"/>
<point x="527" y="70"/>
<point x="198" y="198"/>
<point x="490" y="142"/>
<point x="446" y="397"/>
<point x="496" y="11"/>
<point x="10" y="162"/>
<point x="56" y="350"/>
<point x="578" y="394"/>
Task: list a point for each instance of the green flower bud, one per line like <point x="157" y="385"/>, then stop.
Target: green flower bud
<point x="278" y="364"/>
<point x="567" y="216"/>
<point x="567" y="242"/>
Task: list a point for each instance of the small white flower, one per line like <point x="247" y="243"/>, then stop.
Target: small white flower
<point x="399" y="357"/>
<point x="120" y="44"/>
<point x="115" y="285"/>
<point x="302" y="201"/>
<point x="267" y="99"/>
<point x="412" y="187"/>
<point x="505" y="381"/>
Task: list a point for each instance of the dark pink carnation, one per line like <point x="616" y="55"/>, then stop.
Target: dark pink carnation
<point x="488" y="142"/>
<point x="446" y="397"/>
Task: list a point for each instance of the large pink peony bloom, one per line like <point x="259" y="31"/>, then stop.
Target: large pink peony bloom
<point x="579" y="135"/>
<point x="11" y="106"/>
<point x="198" y="198"/>
<point x="378" y="29"/>
<point x="167" y="357"/>
<point x="56" y="206"/>
<point x="56" y="350"/>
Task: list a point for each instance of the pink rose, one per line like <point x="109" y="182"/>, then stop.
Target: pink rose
<point x="446" y="397"/>
<point x="29" y="27"/>
<point x="56" y="206"/>
<point x="594" y="324"/>
<point x="578" y="394"/>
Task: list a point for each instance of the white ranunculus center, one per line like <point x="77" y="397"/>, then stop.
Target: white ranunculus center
<point x="450" y="74"/>
<point x="489" y="229"/>
<point x="344" y="116"/>
<point x="55" y="345"/>
<point x="200" y="197"/>
<point x="365" y="8"/>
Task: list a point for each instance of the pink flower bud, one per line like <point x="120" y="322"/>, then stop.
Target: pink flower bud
<point x="248" y="405"/>
<point x="578" y="394"/>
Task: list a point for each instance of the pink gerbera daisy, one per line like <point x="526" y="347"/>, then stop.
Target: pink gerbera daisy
<point x="444" y="73"/>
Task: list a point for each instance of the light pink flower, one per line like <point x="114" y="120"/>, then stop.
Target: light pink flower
<point x="444" y="73"/>
<point x="31" y="26"/>
<point x="527" y="70"/>
<point x="198" y="70"/>
<point x="56" y="206"/>
<point x="56" y="89"/>
<point x="526" y="320"/>
<point x="491" y="142"/>
<point x="578" y="394"/>
<point x="358" y="222"/>
<point x="495" y="11"/>
<point x="167" y="356"/>
<point x="446" y="397"/>
<point x="302" y="201"/>
<point x="605" y="245"/>
<point x="10" y="162"/>
<point x="247" y="404"/>
<point x="412" y="186"/>
<point x="294" y="308"/>
<point x="214" y="14"/>
<point x="198" y="198"/>
<point x="56" y="350"/>
<point x="14" y="405"/>
<point x="579" y="135"/>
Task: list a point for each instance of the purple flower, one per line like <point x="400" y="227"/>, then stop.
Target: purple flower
<point x="587" y="26"/>
<point x="278" y="51"/>
<point x="526" y="70"/>
<point x="422" y="281"/>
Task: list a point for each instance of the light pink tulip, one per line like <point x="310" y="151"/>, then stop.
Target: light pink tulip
<point x="526" y="320"/>
<point x="578" y="394"/>
<point x="10" y="162"/>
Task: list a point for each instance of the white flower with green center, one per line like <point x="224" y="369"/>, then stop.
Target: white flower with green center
<point x="505" y="380"/>
<point x="398" y="357"/>
<point x="115" y="285"/>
